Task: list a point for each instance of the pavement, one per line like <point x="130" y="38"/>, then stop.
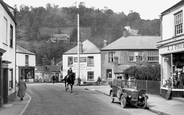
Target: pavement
<point x="156" y="103"/>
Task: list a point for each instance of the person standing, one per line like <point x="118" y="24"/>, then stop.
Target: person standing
<point x="21" y="88"/>
<point x="53" y="79"/>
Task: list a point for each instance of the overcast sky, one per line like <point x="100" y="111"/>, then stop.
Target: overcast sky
<point x="148" y="9"/>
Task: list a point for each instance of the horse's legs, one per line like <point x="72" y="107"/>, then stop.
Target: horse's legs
<point x="71" y="87"/>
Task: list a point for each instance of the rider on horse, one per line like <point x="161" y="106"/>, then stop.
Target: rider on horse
<point x="70" y="71"/>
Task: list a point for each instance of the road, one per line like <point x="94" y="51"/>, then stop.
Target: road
<point x="52" y="99"/>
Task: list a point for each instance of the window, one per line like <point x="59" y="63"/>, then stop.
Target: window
<point x="153" y="56"/>
<point x="135" y="56"/>
<point x="5" y="30"/>
<point x="27" y="60"/>
<point x="108" y="73"/>
<point x="70" y="61"/>
<point x="11" y="36"/>
<point x="90" y="75"/>
<point x="178" y="19"/>
<point x="90" y="61"/>
<point x="111" y="56"/>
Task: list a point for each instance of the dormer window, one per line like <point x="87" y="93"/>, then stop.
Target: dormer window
<point x="178" y="21"/>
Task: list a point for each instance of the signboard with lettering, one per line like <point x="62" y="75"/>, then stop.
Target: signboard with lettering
<point x="82" y="59"/>
<point x="172" y="48"/>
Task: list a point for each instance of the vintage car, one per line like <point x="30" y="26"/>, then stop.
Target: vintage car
<point x="128" y="94"/>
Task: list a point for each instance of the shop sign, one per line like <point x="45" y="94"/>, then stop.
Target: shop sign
<point x="172" y="48"/>
<point x="82" y="59"/>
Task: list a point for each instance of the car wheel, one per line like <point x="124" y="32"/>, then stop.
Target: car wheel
<point x="112" y="98"/>
<point x="123" y="101"/>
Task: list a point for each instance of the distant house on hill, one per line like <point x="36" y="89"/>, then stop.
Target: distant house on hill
<point x="59" y="38"/>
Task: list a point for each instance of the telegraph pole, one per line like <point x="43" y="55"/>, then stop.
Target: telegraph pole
<point x="78" y="41"/>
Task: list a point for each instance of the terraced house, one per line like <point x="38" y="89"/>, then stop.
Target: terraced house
<point x="7" y="53"/>
<point x="127" y="51"/>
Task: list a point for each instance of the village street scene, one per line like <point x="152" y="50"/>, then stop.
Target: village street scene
<point x="82" y="60"/>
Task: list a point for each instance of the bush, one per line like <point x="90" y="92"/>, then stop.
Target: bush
<point x="145" y="72"/>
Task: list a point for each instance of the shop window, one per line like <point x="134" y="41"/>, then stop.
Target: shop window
<point x="70" y="61"/>
<point x="90" y="75"/>
<point x="135" y="56"/>
<point x="109" y="73"/>
<point x="111" y="56"/>
<point x="153" y="56"/>
<point x="178" y="19"/>
<point x="90" y="61"/>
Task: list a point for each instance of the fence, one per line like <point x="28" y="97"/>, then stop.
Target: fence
<point x="151" y="87"/>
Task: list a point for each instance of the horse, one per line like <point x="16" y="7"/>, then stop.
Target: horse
<point x="69" y="79"/>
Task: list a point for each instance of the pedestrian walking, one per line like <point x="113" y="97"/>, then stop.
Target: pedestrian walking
<point x="21" y="88"/>
<point x="79" y="81"/>
<point x="53" y="79"/>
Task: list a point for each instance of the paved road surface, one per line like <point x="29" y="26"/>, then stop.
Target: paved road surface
<point x="51" y="99"/>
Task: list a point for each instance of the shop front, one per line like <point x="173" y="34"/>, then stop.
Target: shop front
<point x="172" y="69"/>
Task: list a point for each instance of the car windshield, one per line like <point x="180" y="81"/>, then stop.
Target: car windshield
<point x="129" y="84"/>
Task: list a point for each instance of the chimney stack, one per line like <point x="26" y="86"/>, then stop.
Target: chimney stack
<point x="124" y="32"/>
<point x="104" y="43"/>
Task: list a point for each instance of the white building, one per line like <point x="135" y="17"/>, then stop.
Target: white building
<point x="90" y="61"/>
<point x="171" y="50"/>
<point x="7" y="53"/>
<point x="25" y="63"/>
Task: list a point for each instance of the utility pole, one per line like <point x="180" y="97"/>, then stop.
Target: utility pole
<point x="78" y="41"/>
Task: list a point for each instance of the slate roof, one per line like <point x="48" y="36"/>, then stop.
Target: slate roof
<point x="134" y="42"/>
<point x="88" y="47"/>
<point x="24" y="51"/>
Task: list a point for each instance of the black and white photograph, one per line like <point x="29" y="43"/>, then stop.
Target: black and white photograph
<point x="91" y="57"/>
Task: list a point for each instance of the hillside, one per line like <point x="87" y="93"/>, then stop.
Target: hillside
<point x="35" y="25"/>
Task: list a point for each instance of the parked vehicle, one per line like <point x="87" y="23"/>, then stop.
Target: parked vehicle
<point x="128" y="94"/>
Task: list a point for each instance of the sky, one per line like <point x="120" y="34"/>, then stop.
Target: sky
<point x="148" y="9"/>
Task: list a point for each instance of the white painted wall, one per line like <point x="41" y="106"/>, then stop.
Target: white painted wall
<point x="20" y="61"/>
<point x="168" y="24"/>
<point x="9" y="55"/>
<point x="83" y="66"/>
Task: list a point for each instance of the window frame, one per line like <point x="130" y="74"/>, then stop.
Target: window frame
<point x="92" y="76"/>
<point x="108" y="74"/>
<point x="11" y="36"/>
<point x="178" y="23"/>
<point x="132" y="56"/>
<point x="27" y="60"/>
<point x="111" y="56"/>
<point x="5" y="31"/>
<point x="70" y="62"/>
<point x="90" y="61"/>
<point x="153" y="56"/>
